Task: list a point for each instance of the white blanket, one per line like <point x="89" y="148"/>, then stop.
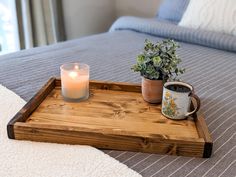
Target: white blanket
<point x="31" y="159"/>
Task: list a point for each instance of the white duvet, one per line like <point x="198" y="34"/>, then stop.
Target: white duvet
<point x="31" y="159"/>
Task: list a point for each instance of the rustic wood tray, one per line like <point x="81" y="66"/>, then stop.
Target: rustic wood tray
<point x="114" y="117"/>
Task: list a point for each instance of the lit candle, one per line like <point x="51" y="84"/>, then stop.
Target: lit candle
<point x="75" y="81"/>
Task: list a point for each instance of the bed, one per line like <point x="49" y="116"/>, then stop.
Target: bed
<point x="210" y="60"/>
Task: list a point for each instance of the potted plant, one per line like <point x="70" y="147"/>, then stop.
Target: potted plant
<point x="157" y="64"/>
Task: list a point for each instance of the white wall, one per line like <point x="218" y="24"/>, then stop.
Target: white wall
<point x="86" y="17"/>
<point x="143" y="8"/>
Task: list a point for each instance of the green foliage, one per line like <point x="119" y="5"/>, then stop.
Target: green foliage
<point x="159" y="61"/>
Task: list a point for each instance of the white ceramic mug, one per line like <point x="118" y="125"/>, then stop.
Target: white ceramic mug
<point x="176" y="100"/>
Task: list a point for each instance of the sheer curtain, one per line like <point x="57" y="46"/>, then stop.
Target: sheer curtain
<point x="8" y="27"/>
<point x="40" y="22"/>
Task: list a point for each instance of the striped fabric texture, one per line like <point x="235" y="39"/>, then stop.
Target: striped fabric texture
<point x="166" y="29"/>
<point x="212" y="72"/>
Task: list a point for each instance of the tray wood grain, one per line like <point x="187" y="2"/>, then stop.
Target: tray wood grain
<point x="114" y="117"/>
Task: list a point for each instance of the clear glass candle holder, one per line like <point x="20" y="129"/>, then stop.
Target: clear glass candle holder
<point x="75" y="81"/>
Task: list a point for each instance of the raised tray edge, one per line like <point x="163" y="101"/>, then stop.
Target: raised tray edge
<point x="29" y="108"/>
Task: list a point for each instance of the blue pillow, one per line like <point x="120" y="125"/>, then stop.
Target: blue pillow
<point x="172" y="10"/>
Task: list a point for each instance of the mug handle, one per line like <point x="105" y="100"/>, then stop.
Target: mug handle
<point x="198" y="104"/>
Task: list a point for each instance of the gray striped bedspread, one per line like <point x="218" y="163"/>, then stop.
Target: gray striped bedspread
<point x="212" y="72"/>
<point x="167" y="29"/>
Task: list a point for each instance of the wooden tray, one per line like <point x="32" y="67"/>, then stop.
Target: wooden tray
<point x="114" y="117"/>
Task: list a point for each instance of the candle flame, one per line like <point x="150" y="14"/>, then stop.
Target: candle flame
<point x="76" y="67"/>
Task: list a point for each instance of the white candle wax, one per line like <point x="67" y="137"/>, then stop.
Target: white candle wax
<point x="75" y="82"/>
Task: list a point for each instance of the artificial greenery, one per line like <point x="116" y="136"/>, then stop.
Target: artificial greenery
<point x="159" y="61"/>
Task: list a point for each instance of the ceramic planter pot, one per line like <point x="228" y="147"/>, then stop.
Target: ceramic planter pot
<point x="152" y="90"/>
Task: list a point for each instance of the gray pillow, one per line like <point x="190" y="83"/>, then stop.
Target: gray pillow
<point x="172" y="10"/>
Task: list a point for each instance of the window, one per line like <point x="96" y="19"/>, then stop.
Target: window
<point x="9" y="40"/>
